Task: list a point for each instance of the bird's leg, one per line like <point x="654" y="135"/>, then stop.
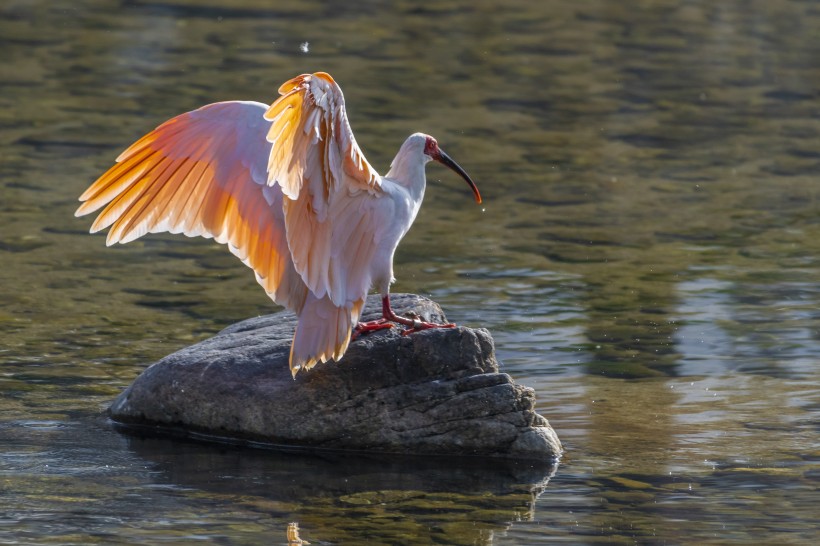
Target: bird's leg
<point x="389" y="316"/>
<point x="413" y="324"/>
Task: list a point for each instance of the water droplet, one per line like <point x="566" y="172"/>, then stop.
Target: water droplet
<point x="304" y="47"/>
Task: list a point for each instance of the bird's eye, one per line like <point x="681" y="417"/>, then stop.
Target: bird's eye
<point x="430" y="147"/>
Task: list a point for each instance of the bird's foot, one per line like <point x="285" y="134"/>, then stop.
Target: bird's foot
<point x="370" y="326"/>
<point x="417" y="325"/>
<point x="412" y="319"/>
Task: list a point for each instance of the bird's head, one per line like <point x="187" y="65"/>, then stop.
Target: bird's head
<point x="432" y="151"/>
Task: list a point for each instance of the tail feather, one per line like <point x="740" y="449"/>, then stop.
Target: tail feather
<point x="323" y="332"/>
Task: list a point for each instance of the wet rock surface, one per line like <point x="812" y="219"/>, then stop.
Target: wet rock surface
<point x="433" y="392"/>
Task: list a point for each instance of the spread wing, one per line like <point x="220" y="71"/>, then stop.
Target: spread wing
<point x="203" y="173"/>
<point x="330" y="190"/>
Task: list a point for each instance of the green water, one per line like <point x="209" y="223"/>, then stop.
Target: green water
<point x="647" y="258"/>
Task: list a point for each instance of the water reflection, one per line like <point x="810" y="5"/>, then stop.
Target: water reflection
<point x="64" y="479"/>
<point x="340" y="498"/>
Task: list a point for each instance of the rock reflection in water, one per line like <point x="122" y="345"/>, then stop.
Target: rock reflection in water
<point x="343" y="497"/>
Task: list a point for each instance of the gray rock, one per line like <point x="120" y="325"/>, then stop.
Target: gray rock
<point x="433" y="392"/>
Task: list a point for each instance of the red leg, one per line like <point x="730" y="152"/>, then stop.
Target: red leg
<point x="388" y="317"/>
<point x="413" y="325"/>
<point x="369" y="326"/>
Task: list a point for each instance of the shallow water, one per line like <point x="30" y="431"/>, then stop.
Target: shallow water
<point x="647" y="258"/>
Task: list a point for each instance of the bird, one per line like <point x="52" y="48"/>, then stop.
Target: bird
<point x="290" y="192"/>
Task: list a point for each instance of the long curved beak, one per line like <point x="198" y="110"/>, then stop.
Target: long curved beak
<point x="445" y="159"/>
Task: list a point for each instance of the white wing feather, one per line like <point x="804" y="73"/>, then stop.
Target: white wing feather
<point x="330" y="190"/>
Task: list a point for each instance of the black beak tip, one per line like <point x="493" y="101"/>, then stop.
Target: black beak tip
<point x="446" y="160"/>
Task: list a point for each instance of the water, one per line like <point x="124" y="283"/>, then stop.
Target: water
<point x="647" y="260"/>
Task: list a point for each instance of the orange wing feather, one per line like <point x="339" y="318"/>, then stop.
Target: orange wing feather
<point x="203" y="173"/>
<point x="284" y="186"/>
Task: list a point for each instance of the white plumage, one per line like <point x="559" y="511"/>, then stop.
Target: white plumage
<point x="287" y="188"/>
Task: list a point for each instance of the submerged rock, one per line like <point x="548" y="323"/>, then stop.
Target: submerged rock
<point x="433" y="392"/>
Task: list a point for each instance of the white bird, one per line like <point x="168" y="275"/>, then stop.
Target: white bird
<point x="287" y="188"/>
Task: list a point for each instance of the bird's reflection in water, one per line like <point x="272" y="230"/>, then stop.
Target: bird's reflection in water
<point x="347" y="497"/>
<point x="293" y="535"/>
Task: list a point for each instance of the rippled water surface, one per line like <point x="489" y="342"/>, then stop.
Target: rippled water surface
<point x="647" y="258"/>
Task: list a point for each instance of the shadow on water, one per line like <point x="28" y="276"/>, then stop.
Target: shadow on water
<point x="339" y="497"/>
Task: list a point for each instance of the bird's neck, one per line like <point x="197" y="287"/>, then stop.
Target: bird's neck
<point x="407" y="170"/>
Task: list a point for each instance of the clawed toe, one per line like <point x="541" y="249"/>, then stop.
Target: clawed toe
<point x="413" y="325"/>
<point x="419" y="325"/>
<point x="370" y="326"/>
<point x="411" y="320"/>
